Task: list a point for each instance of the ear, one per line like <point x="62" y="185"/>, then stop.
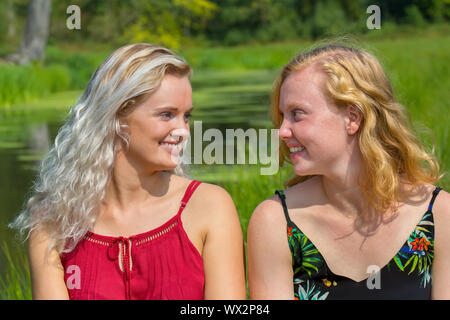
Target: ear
<point x="354" y="119"/>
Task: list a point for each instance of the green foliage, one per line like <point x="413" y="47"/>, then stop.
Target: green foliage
<point x="16" y="284"/>
<point x="165" y="22"/>
<point x="174" y="23"/>
<point x="23" y="83"/>
<point x="414" y="16"/>
<point x="168" y="22"/>
<point x="61" y="71"/>
<point x="80" y="66"/>
<point x="328" y="19"/>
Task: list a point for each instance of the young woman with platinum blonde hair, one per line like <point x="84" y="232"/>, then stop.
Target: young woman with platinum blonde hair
<point x="361" y="219"/>
<point x="112" y="215"/>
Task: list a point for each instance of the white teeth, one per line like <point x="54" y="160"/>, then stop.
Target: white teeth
<point x="296" y="149"/>
<point x="171" y="145"/>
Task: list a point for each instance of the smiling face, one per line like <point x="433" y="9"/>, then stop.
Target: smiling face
<point x="313" y="127"/>
<point x="159" y="126"/>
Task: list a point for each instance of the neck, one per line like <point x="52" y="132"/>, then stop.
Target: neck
<point x="130" y="187"/>
<point x="342" y="190"/>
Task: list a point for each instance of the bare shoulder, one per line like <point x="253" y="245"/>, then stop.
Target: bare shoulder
<point x="269" y="257"/>
<point x="441" y="209"/>
<point x="267" y="225"/>
<point x="38" y="248"/>
<point x="205" y="194"/>
<point x="210" y="196"/>
<point x="47" y="272"/>
<point x="39" y="241"/>
<point x="210" y="193"/>
<point x="270" y="211"/>
<point x="213" y="205"/>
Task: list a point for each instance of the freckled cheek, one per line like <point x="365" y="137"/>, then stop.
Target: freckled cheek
<point x="317" y="133"/>
<point x="304" y="133"/>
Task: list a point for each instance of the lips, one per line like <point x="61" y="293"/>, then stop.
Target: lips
<point x="173" y="147"/>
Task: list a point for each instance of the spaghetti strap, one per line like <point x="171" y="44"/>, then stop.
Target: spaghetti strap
<point x="435" y="193"/>
<point x="280" y="194"/>
<point x="187" y="195"/>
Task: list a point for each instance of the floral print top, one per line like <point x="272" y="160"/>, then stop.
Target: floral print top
<point x="406" y="276"/>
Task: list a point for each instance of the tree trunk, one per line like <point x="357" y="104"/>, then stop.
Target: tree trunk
<point x="11" y="17"/>
<point x="36" y="33"/>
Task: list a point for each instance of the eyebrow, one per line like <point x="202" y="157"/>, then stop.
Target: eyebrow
<point x="170" y="108"/>
<point x="297" y="105"/>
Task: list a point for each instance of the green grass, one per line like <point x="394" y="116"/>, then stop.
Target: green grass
<point x="22" y="83"/>
<point x="16" y="284"/>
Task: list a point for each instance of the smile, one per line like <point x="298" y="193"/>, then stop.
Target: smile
<point x="173" y="148"/>
<point x="169" y="144"/>
<point x="296" y="149"/>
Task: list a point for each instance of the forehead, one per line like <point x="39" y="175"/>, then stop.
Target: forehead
<point x="173" y="81"/>
<point x="306" y="85"/>
<point x="174" y="90"/>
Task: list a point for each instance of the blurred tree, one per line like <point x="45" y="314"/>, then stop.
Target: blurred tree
<point x="36" y="33"/>
<point x="11" y="18"/>
<point x="168" y="22"/>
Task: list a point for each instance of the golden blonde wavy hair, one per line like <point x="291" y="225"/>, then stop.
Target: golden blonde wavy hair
<point x="389" y="149"/>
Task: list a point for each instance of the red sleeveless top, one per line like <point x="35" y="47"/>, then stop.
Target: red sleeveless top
<point x="161" y="264"/>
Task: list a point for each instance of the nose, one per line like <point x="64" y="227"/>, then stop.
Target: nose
<point x="180" y="132"/>
<point x="285" y="131"/>
<point x="180" y="127"/>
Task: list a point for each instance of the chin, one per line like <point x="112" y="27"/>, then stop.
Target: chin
<point x="166" y="167"/>
<point x="169" y="164"/>
<point x="304" y="171"/>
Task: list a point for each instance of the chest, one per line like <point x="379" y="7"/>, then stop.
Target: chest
<point x="145" y="219"/>
<point x="350" y="253"/>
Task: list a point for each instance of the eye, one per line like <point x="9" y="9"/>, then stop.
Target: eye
<point x="166" y="115"/>
<point x="298" y="113"/>
<point x="188" y="116"/>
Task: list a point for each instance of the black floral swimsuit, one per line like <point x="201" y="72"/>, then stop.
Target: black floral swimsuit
<point x="406" y="276"/>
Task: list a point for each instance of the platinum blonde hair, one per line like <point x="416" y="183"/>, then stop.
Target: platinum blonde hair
<point x="76" y="171"/>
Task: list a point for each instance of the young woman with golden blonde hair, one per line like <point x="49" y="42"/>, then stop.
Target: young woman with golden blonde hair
<point x="361" y="219"/>
<point x="113" y="215"/>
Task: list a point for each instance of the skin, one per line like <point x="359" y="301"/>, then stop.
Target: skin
<point x="141" y="197"/>
<point x="326" y="206"/>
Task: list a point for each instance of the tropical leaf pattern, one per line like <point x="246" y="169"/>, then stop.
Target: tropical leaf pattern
<point x="307" y="263"/>
<point x="417" y="253"/>
<point x="311" y="274"/>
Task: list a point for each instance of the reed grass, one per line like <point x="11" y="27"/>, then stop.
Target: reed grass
<point x="16" y="285"/>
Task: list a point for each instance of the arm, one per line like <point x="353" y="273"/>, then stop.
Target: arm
<point x="269" y="259"/>
<point x="47" y="273"/>
<point x="223" y="256"/>
<point x="440" y="271"/>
